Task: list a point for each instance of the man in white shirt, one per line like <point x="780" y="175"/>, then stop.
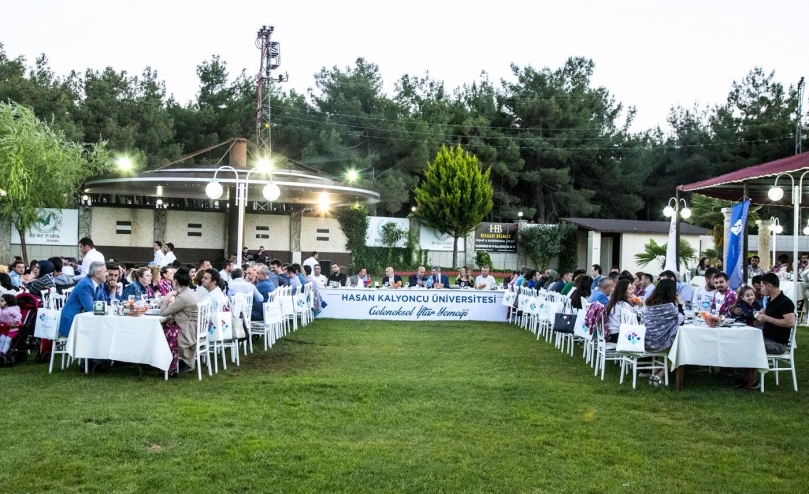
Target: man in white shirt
<point x="318" y="277"/>
<point x="168" y="258"/>
<point x="483" y="280"/>
<point x="209" y="289"/>
<point x="240" y="285"/>
<point x="90" y="254"/>
<point x="311" y="261"/>
<point x="158" y="253"/>
<point x="391" y="278"/>
<point x="704" y="295"/>
<point x="646" y="286"/>
<point x="224" y="274"/>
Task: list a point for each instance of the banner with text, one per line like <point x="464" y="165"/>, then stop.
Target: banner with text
<point x="496" y="237"/>
<point x="374" y="238"/>
<point x="54" y="227"/>
<point x="433" y="240"/>
<point x="413" y="305"/>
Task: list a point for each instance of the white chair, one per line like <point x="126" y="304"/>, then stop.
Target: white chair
<point x="775" y="362"/>
<point x="56" y="302"/>
<point x="202" y="347"/>
<point x="301" y="306"/>
<point x="605" y="351"/>
<point x="260" y="328"/>
<point x="288" y="310"/>
<point x="657" y="360"/>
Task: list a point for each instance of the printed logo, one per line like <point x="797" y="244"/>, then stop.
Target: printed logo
<point x="48" y="223"/>
<point x="633" y="337"/>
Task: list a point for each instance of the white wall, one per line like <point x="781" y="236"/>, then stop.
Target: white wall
<point x="177" y="229"/>
<point x="104" y="227"/>
<point x="309" y="235"/>
<point x="278" y="232"/>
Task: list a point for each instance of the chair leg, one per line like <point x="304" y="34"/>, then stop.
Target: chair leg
<point x="635" y="373"/>
<point x="794" y="376"/>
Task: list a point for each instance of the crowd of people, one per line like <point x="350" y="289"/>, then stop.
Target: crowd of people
<point x="663" y="307"/>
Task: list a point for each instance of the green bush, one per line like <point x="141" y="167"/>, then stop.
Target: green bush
<point x="482" y="258"/>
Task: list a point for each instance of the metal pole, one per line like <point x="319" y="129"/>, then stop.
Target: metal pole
<point x="744" y="240"/>
<point x="677" y="229"/>
<point x="241" y="200"/>
<point x="796" y="205"/>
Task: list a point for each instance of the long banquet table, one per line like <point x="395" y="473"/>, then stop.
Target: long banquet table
<point x="413" y="304"/>
<point x="138" y="340"/>
<point x="739" y="347"/>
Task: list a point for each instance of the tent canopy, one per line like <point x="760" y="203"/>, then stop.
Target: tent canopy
<point x="759" y="179"/>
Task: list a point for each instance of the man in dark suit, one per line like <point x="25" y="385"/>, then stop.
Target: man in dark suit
<point x="390" y="278"/>
<point x="419" y="278"/>
<point x="81" y="299"/>
<point x="439" y="280"/>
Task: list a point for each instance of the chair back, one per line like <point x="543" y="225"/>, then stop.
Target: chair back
<point x="203" y="318"/>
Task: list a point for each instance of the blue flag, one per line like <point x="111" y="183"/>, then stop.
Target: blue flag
<point x="736" y="254"/>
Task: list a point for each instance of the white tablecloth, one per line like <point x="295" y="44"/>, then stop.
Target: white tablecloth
<point x="138" y="340"/>
<point x="719" y="347"/>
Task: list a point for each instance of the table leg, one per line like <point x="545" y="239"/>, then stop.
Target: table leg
<point x="680" y="372"/>
<point x="86" y="366"/>
<point x="751" y="373"/>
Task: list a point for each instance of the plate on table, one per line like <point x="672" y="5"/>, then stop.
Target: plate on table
<point x="153" y="312"/>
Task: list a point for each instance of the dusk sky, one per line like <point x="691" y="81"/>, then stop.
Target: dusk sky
<point x="649" y="54"/>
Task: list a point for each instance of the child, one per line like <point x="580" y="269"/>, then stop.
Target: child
<point x="9" y="321"/>
<point x="745" y="305"/>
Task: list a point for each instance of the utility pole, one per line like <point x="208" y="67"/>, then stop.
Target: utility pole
<point x="798" y="124"/>
<point x="270" y="60"/>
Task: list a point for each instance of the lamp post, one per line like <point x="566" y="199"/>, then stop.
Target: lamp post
<point x="677" y="212"/>
<point x="214" y="190"/>
<point x="776" y="229"/>
<point x="776" y="193"/>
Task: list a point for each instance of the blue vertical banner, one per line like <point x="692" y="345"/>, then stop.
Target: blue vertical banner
<point x="736" y="254"/>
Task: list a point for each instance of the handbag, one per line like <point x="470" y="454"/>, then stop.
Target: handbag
<point x="47" y="325"/>
<point x="564" y="322"/>
<point x="509" y="298"/>
<point x="221" y="329"/>
<point x="631" y="338"/>
<point x="580" y="329"/>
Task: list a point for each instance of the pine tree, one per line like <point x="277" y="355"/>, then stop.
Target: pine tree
<point x="455" y="194"/>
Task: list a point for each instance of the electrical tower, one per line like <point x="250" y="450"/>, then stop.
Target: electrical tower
<point x="798" y="124"/>
<point x="270" y="60"/>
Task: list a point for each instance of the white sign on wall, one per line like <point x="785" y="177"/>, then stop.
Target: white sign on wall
<point x="375" y="224"/>
<point x="54" y="227"/>
<point x="433" y="240"/>
<point x="413" y="305"/>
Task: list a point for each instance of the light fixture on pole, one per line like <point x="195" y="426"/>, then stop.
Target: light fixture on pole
<point x="214" y="190"/>
<point x="776" y="193"/>
<point x="676" y="212"/>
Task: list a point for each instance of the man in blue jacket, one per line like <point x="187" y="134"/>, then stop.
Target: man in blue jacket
<point x="83" y="295"/>
<point x="439" y="280"/>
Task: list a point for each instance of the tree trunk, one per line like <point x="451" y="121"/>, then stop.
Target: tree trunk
<point x="454" y="251"/>
<point x="23" y="246"/>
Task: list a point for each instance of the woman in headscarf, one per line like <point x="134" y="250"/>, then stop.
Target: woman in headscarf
<point x="42" y="276"/>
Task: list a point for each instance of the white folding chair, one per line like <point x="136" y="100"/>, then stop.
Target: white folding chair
<point x="605" y="351"/>
<point x="56" y="302"/>
<point x="202" y="347"/>
<point x="656" y="360"/>
<point x="288" y="310"/>
<point x="775" y="362"/>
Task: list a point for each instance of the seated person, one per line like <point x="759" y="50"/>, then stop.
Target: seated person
<point x="724" y="298"/>
<point x="361" y="279"/>
<point x="10" y="320"/>
<point x="778" y="317"/>
<point x="83" y="295"/>
<point x="484" y="280"/>
<point x="141" y="285"/>
<point x="746" y="305"/>
<point x="438" y="280"/>
<point x="265" y="287"/>
<point x="602" y="292"/>
<point x="465" y="280"/>
<point x="619" y="301"/>
<point x="336" y="277"/>
<point x="391" y="279"/>
<point x="419" y="278"/>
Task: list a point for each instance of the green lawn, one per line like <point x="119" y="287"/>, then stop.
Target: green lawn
<point x="427" y="407"/>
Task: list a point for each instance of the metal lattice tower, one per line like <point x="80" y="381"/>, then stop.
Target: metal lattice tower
<point x="798" y="124"/>
<point x="270" y="60"/>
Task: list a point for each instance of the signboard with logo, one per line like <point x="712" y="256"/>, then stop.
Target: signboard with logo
<point x="54" y="227"/>
<point x="413" y="304"/>
<point x="432" y="240"/>
<point x="375" y="224"/>
<point x="496" y="237"/>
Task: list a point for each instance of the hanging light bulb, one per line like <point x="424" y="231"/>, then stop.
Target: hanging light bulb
<point x="271" y="192"/>
<point x="685" y="213"/>
<point x="214" y="190"/>
<point x="775" y="193"/>
<point x="668" y="211"/>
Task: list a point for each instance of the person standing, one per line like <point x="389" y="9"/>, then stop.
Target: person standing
<point x="754" y="269"/>
<point x="224" y="274"/>
<point x="158" y="253"/>
<point x="90" y="254"/>
<point x="311" y="261"/>
<point x="168" y="257"/>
